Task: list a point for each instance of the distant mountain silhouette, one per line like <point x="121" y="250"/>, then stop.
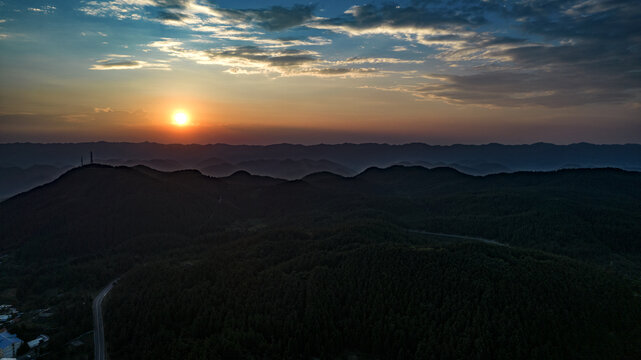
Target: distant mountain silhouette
<point x="14" y="180"/>
<point x="209" y="162"/>
<point x="285" y="169"/>
<point x="289" y="161"/>
<point x="539" y="156"/>
<point x="221" y="169"/>
<point x="472" y="168"/>
<point x="158" y="164"/>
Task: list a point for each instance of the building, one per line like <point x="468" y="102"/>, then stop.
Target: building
<point x="7" y="312"/>
<point x="9" y="344"/>
<point x="39" y="341"/>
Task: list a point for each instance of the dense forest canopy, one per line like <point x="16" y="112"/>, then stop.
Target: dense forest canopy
<point x="331" y="267"/>
<point x="368" y="292"/>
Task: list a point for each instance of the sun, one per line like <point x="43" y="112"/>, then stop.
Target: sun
<point x="181" y="118"/>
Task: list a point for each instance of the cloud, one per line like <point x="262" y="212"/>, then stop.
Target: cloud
<point x="219" y="23"/>
<point x="242" y="56"/>
<point x="342" y="72"/>
<point x="250" y="60"/>
<point x="9" y="122"/>
<point x="121" y="62"/>
<point x="46" y="10"/>
<point x="118" y="65"/>
<point x="253" y="54"/>
<point x="92" y="33"/>
<point x="119" y="9"/>
<point x="371" y="60"/>
<point x="313" y="72"/>
<point x="274" y="19"/>
<point x="586" y="51"/>
<point x="198" y="13"/>
<point x="235" y="34"/>
<point x="177" y="4"/>
<point x="517" y="89"/>
<point x="445" y="29"/>
<point x="593" y="56"/>
<point x="396" y="20"/>
<point x="71" y="126"/>
<point x="554" y="53"/>
<point x="172" y="16"/>
<point x="288" y="42"/>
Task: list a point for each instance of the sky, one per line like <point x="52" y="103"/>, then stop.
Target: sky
<point x="262" y="72"/>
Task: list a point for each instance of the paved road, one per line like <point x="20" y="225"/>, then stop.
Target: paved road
<point x="462" y="237"/>
<point x="98" y="328"/>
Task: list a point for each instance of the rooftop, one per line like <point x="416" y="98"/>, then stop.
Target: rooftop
<point x="37" y="341"/>
<point x="6" y="339"/>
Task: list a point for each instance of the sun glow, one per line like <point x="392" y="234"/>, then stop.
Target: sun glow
<point x="180" y="118"/>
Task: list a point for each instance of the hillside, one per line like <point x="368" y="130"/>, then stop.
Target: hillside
<point x="329" y="266"/>
<point x="344" y="293"/>
<point x="580" y="213"/>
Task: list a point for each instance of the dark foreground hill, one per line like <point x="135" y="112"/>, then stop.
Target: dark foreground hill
<point x="581" y="213"/>
<point x="334" y="267"/>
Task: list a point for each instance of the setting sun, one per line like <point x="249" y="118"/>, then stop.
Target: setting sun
<point x="180" y="118"/>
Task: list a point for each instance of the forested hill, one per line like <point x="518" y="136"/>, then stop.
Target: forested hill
<point x="334" y="267"/>
<point x="583" y="213"/>
<point x="363" y="292"/>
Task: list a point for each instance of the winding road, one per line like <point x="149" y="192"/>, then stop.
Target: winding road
<point x="98" y="328"/>
<point x="462" y="237"/>
<point x="99" y="334"/>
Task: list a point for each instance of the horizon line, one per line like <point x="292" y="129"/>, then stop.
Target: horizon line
<point x="316" y="144"/>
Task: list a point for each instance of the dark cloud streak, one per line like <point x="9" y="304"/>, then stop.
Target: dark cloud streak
<point x="393" y="16"/>
<point x="289" y="57"/>
<point x="275" y="18"/>
<point x="172" y="16"/>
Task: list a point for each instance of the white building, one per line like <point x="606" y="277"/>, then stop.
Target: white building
<point x="9" y="344"/>
<point x="40" y="340"/>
